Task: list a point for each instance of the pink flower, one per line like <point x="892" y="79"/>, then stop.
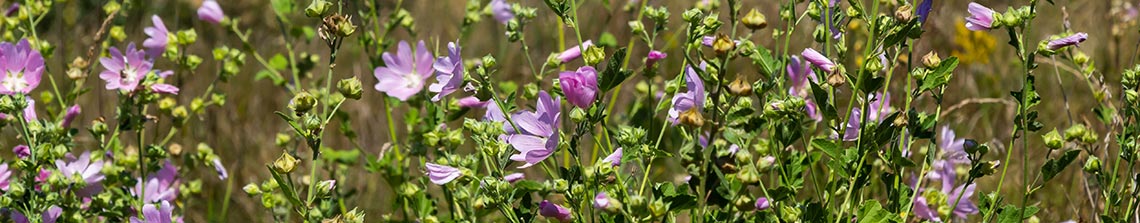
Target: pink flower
<point x="211" y="12"/>
<point x="450" y="69"/>
<point x="538" y="133"/>
<point x="1070" y="40"/>
<point x="124" y="72"/>
<point x="694" y="98"/>
<point x="981" y="18"/>
<point x="157" y="37"/>
<point x="70" y="116"/>
<point x="817" y="59"/>
<point x="90" y="171"/>
<point x="614" y="158"/>
<point x="653" y="57"/>
<point x="501" y="10"/>
<point x="405" y="73"/>
<point x="440" y="174"/>
<point x="22" y="151"/>
<point x="574" y="52"/>
<point x="514" y="177"/>
<point x="22" y="67"/>
<point x="4" y="175"/>
<point x="164" y="89"/>
<point x="159" y="187"/>
<point x="472" y="102"/>
<point x="162" y="213"/>
<point x="762" y="204"/>
<point x="551" y="210"/>
<point x="580" y="87"/>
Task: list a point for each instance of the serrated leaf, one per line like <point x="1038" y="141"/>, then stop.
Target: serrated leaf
<point x="614" y="74"/>
<point x="1055" y="166"/>
<point x="872" y="212"/>
<point x="830" y="148"/>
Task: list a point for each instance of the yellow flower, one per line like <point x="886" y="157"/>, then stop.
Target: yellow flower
<point x="973" y="47"/>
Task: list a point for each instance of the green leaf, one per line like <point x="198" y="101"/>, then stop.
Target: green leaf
<point x="346" y="157"/>
<point x="528" y="186"/>
<point x="286" y="187"/>
<point x="282" y="7"/>
<point x="763" y="58"/>
<point x="263" y="74"/>
<point x="830" y="148"/>
<point x="1009" y="214"/>
<point x="1055" y="166"/>
<point x="614" y="74"/>
<point x="278" y="62"/>
<point x="872" y="212"/>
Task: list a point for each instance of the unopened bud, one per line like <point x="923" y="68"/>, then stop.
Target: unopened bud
<point x="318" y="8"/>
<point x="754" y="20"/>
<point x="251" y="189"/>
<point x="303" y="102"/>
<point x="692" y="117"/>
<point x="740" y="87"/>
<point x="286" y="163"/>
<point x="1053" y="140"/>
<point x="350" y="88"/>
<point x="931" y="60"/>
<point x="326" y="187"/>
<point x="904" y="14"/>
<point x="1092" y="165"/>
<point x="723" y="45"/>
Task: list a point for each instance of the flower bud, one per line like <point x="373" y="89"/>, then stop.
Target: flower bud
<point x="1053" y="140"/>
<point x="743" y="202"/>
<point x="637" y="27"/>
<point x="754" y="20"/>
<point x="692" y="117"/>
<point x="251" y="189"/>
<point x="303" y="102"/>
<point x="904" y="14"/>
<point x="594" y="55"/>
<point x="1080" y="58"/>
<point x="344" y="27"/>
<point x="350" y="88"/>
<point x="1075" y="132"/>
<point x="931" y="60"/>
<point x="286" y="163"/>
<point x="740" y="87"/>
<point x="180" y="114"/>
<point x="763" y="204"/>
<point x="723" y="45"/>
<point x="692" y="15"/>
<point x="326" y="187"/>
<point x="318" y="8"/>
<point x="1092" y="165"/>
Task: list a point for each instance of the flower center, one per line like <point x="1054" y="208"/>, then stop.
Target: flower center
<point x="15" y="81"/>
<point x="412" y="80"/>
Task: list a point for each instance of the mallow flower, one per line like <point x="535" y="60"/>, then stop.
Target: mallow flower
<point x="22" y="67"/>
<point x="450" y="70"/>
<point x="440" y="174"/>
<point x="574" y="52"/>
<point x="473" y="102"/>
<point x="514" y="177"/>
<point x="501" y="10"/>
<point x="1070" y="40"/>
<point x="924" y="9"/>
<point x="161" y="213"/>
<point x="953" y="148"/>
<point x="817" y="59"/>
<point x="220" y="169"/>
<point x="601" y="200"/>
<point x="160" y="186"/>
<point x="51" y="215"/>
<point x="125" y="71"/>
<point x="69" y="117"/>
<point x="83" y="167"/>
<point x="981" y="18"/>
<point x="538" y="135"/>
<point x="762" y="203"/>
<point x="157" y="37"/>
<point x="653" y="57"/>
<point x="579" y="86"/>
<point x="692" y="99"/>
<point x="551" y="210"/>
<point x="614" y="158"/>
<point x="405" y="73"/>
<point x="211" y="12"/>
<point x="799" y="73"/>
<point x="22" y="151"/>
<point x="930" y="203"/>
<point x="5" y="173"/>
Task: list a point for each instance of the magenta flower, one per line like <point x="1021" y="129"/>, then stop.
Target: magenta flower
<point x="220" y="169"/>
<point x="1071" y="40"/>
<point x="653" y="57"/>
<point x="580" y="86"/>
<point x="614" y="158"/>
<point x="551" y="210"/>
<point x="944" y="172"/>
<point x="981" y="18"/>
<point x="692" y="99"/>
<point x="405" y="73"/>
<point x="161" y="186"/>
<point x="157" y="37"/>
<point x="4" y="175"/>
<point x="762" y="203"/>
<point x="514" y="177"/>
<point x="70" y="116"/>
<point x="574" y="52"/>
<point x="450" y="71"/>
<point x="22" y="67"/>
<point x="812" y="110"/>
<point x="164" y="89"/>
<point x="601" y="200"/>
<point x="51" y="215"/>
<point x="162" y="213"/>
<point x="538" y="135"/>
<point x="440" y="174"/>
<point x="90" y="171"/>
<point x="817" y="59"/>
<point x="22" y="151"/>
<point x="501" y="10"/>
<point x="211" y="12"/>
<point x="125" y="72"/>
<point x="473" y="102"/>
<point x="12" y="10"/>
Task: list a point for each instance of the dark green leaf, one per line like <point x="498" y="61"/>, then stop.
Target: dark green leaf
<point x="614" y="74"/>
<point x="1055" y="166"/>
<point x="830" y="148"/>
<point x="872" y="212"/>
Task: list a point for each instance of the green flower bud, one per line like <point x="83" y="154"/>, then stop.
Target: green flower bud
<point x="658" y="208"/>
<point x="594" y="55"/>
<point x="637" y="27"/>
<point x="350" y="88"/>
<point x="692" y="15"/>
<point x="326" y="187"/>
<point x="251" y="189"/>
<point x="180" y="115"/>
<point x="1075" y="132"/>
<point x="302" y="102"/>
<point x="754" y="20"/>
<point x="1053" y="139"/>
<point x="318" y="8"/>
<point x="1092" y="165"/>
<point x="286" y="163"/>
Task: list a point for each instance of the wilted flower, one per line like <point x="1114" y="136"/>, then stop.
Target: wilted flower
<point x="70" y="116"/>
<point x="90" y="171"/>
<point x="694" y="99"/>
<point x="538" y="133"/>
<point x="574" y="52"/>
<point x="211" y="12"/>
<point x="514" y="177"/>
<point x="218" y="167"/>
<point x="450" y="69"/>
<point x="762" y="203"/>
<point x="551" y="210"/>
<point x="405" y="73"/>
<point x="580" y="87"/>
<point x="981" y="17"/>
<point x="157" y="37"/>
<point x="472" y="102"/>
<point x="4" y="175"/>
<point x="12" y="10"/>
<point x="501" y="10"/>
<point x="22" y="67"/>
<point x="614" y="158"/>
<point x="162" y="213"/>
<point x="22" y="151"/>
<point x="817" y="59"/>
<point x="124" y="72"/>
<point x="440" y="174"/>
<point x="160" y="186"/>
<point x="1070" y="40"/>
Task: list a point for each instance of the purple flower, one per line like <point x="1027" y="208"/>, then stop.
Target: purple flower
<point x="653" y="57"/>
<point x="450" y="71"/>
<point x="924" y="10"/>
<point x="538" y="135"/>
<point x="218" y="167"/>
<point x="22" y="67"/>
<point x="551" y="210"/>
<point x="502" y="11"/>
<point x="159" y="187"/>
<point x="157" y="38"/>
<point x="708" y="41"/>
<point x="798" y="75"/>
<point x="405" y="73"/>
<point x="693" y="99"/>
<point x="948" y="195"/>
<point x="981" y="18"/>
<point x="580" y="86"/>
<point x="440" y="174"/>
<point x="473" y="102"/>
<point x="762" y="203"/>
<point x="210" y="12"/>
<point x="601" y="201"/>
<point x="4" y="175"/>
<point x="514" y="177"/>
<point x="84" y="167"/>
<point x="818" y="60"/>
<point x="30" y="110"/>
<point x="164" y="89"/>
<point x="494" y="113"/>
<point x="1070" y="40"/>
<point x="614" y="158"/>
<point x="22" y="151"/>
<point x="880" y="106"/>
<point x="574" y="52"/>
<point x="162" y="213"/>
<point x="12" y="10"/>
<point x="124" y="72"/>
<point x="70" y="116"/>
<point x="851" y="131"/>
<point x="953" y="149"/>
<point x="812" y="110"/>
<point x="51" y="215"/>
